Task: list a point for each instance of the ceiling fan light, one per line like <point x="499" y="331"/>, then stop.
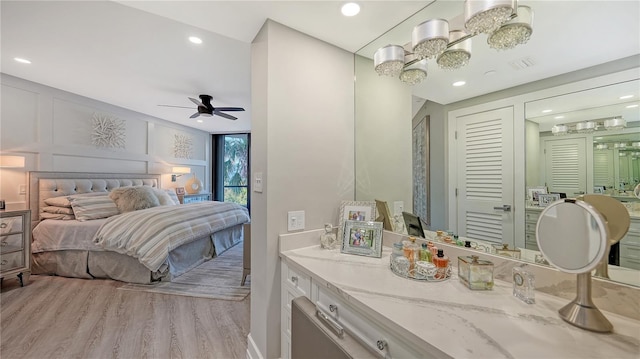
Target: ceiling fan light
<point x="416" y="72"/>
<point x="486" y="16"/>
<point x="430" y="38"/>
<point x="586" y="126"/>
<point x="458" y="55"/>
<point x="389" y="60"/>
<point x="616" y="123"/>
<point x="559" y="130"/>
<point x="514" y="32"/>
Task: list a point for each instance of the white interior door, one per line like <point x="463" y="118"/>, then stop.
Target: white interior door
<point x="603" y="168"/>
<point x="485" y="177"/>
<point x="566" y="166"/>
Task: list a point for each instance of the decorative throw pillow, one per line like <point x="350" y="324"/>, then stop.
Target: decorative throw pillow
<point x="87" y="208"/>
<point x="172" y="194"/>
<point x="58" y="216"/>
<point x="163" y="197"/>
<point x="58" y="210"/>
<point x="130" y="199"/>
<point x="65" y="201"/>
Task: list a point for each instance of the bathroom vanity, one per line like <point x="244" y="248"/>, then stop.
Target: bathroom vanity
<point x="402" y="318"/>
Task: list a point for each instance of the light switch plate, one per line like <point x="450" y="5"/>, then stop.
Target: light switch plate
<point x="22" y="189"/>
<point x="295" y="220"/>
<point x="398" y="207"/>
<point x="257" y="182"/>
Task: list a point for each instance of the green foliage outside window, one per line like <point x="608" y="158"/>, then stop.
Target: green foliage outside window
<point x="235" y="168"/>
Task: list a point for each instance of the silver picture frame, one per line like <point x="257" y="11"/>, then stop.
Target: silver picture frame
<point x="362" y="238"/>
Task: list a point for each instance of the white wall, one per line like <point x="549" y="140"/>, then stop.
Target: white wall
<point x="52" y="129"/>
<point x="383" y="137"/>
<point x="303" y="144"/>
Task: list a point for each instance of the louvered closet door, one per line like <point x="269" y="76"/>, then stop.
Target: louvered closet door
<point x="485" y="175"/>
<point x="603" y="168"/>
<point x="566" y="166"/>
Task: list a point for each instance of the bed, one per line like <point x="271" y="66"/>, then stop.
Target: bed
<point x="181" y="236"/>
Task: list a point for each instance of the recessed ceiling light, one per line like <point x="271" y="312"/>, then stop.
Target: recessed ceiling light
<point x="21" y="60"/>
<point x="559" y="117"/>
<point x="200" y="121"/>
<point x="632" y="106"/>
<point x="350" y="9"/>
<point x="546" y="111"/>
<point x="195" y="40"/>
<point x="459" y="83"/>
<point x="626" y="97"/>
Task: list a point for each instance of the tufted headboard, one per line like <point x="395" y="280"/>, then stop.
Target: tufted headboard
<point x="43" y="185"/>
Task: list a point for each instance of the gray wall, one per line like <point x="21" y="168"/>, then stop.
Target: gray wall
<point x="303" y="144"/>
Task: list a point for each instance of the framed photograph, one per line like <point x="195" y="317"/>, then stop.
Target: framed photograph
<point x="356" y="211"/>
<point x="598" y="189"/>
<point x="533" y="192"/>
<point x="180" y="191"/>
<point x="362" y="238"/>
<point x="413" y="224"/>
<point x="545" y="199"/>
<point x="384" y="215"/>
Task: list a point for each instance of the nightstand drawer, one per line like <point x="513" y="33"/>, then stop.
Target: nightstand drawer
<point x="10" y="261"/>
<point x="11" y="243"/>
<point x="11" y="224"/>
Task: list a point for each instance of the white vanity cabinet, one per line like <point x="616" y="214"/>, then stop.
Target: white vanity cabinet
<point x="293" y="284"/>
<point x="630" y="246"/>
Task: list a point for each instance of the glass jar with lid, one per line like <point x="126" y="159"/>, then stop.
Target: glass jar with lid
<point x="475" y="273"/>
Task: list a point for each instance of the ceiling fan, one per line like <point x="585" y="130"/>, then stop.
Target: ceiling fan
<point x="206" y="109"/>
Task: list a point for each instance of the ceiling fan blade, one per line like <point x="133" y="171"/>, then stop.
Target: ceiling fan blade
<point x="229" y="109"/>
<point x="194" y="115"/>
<point x="222" y="114"/>
<point x="175" y="106"/>
<point x="197" y="102"/>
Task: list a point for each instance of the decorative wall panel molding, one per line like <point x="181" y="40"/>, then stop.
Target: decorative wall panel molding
<point x="108" y="131"/>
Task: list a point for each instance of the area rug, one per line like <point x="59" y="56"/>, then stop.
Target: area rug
<point x="218" y="278"/>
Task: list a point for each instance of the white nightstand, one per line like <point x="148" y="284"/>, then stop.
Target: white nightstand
<point x="15" y="245"/>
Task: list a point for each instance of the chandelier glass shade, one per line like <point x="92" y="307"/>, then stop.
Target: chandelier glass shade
<point x="602" y="146"/>
<point x="635" y="144"/>
<point x="414" y="73"/>
<point x="559" y="130"/>
<point x="389" y="60"/>
<point x="514" y="32"/>
<point x="430" y="38"/>
<point x="617" y="123"/>
<point x="620" y="145"/>
<point x="458" y="55"/>
<point x="488" y="15"/>
<point x="586" y="126"/>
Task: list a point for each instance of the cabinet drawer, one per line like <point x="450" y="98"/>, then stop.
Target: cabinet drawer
<point x="11" y="224"/>
<point x="366" y="332"/>
<point x="530" y="227"/>
<point x="11" y="261"/>
<point x="11" y="243"/>
<point x="632" y="238"/>
<point x="630" y="263"/>
<point x="531" y="245"/>
<point x="296" y="280"/>
<point x="629" y="251"/>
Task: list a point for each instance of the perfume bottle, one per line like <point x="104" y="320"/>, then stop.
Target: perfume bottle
<point x="475" y="273"/>
<point x="524" y="284"/>
<point x="411" y="251"/>
<point x="425" y="253"/>
<point x="442" y="263"/>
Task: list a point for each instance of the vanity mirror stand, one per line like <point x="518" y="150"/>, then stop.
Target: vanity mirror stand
<point x="574" y="237"/>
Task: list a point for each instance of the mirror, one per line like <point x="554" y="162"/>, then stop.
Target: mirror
<point x="385" y="108"/>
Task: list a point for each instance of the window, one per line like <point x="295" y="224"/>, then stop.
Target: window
<point x="231" y="178"/>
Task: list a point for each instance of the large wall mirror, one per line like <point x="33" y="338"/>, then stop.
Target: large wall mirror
<point x="387" y="111"/>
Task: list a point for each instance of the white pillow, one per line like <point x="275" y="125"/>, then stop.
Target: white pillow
<point x="58" y="210"/>
<point x="65" y="201"/>
<point x="60" y="216"/>
<point x="173" y="196"/>
<point x="163" y="197"/>
<point x="129" y="199"/>
<point x="87" y="208"/>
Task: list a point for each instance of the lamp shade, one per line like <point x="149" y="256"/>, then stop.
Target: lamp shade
<point x="11" y="161"/>
<point x="389" y="60"/>
<point x="181" y="170"/>
<point x="430" y="38"/>
<point x="615" y="123"/>
<point x="514" y="32"/>
<point x="559" y="130"/>
<point x="458" y="55"/>
<point x="415" y="71"/>
<point x="487" y="16"/>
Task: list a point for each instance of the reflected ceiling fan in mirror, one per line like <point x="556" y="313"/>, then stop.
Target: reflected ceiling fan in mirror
<point x="206" y="109"/>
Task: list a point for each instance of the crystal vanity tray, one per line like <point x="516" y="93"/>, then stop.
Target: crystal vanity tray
<point x="422" y="271"/>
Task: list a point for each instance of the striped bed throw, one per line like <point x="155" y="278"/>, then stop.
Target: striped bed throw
<point x="150" y="234"/>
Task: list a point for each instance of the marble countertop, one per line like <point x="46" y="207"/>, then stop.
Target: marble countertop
<point x="457" y="321"/>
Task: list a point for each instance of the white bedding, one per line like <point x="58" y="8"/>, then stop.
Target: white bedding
<point x="56" y="235"/>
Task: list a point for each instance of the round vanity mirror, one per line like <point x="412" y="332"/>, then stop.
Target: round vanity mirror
<point x="572" y="236"/>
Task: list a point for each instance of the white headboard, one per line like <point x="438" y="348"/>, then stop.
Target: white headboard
<point x="43" y="185"/>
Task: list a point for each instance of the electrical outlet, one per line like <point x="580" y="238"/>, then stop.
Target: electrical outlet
<point x="295" y="220"/>
<point x="257" y="182"/>
<point x="398" y="207"/>
<point x="22" y="189"/>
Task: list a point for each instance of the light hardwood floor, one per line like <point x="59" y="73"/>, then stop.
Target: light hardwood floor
<point x="55" y="317"/>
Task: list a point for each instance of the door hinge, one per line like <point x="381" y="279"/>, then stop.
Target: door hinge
<point x="456" y="192"/>
<point x="456" y="134"/>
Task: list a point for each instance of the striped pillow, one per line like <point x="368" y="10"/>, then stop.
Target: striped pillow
<point x="87" y="208"/>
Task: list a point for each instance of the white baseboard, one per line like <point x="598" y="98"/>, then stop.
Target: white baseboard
<point x="252" y="350"/>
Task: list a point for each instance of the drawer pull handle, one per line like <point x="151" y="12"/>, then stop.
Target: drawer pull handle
<point x="333" y="308"/>
<point x="3" y="225"/>
<point x="337" y="328"/>
<point x="294" y="279"/>
<point x="382" y="344"/>
<point x="4" y="261"/>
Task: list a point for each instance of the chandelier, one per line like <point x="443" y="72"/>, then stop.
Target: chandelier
<point x="616" y="123"/>
<point x="504" y="22"/>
